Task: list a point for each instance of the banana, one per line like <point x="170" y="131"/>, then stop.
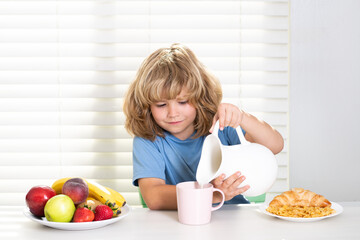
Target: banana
<point x="102" y="194"/>
<point x="58" y="184"/>
<point x="97" y="191"/>
<point x="120" y="200"/>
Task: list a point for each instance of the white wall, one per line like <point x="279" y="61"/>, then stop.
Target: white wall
<point x="325" y="97"/>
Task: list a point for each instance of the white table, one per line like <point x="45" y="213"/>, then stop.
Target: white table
<point x="230" y="222"/>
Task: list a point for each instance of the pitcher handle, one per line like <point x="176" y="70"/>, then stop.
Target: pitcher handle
<point x="216" y="129"/>
<point x="238" y="130"/>
<point x="241" y="136"/>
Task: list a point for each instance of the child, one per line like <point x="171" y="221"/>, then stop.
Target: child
<point x="171" y="107"/>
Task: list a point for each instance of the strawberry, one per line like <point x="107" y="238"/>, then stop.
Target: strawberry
<point x="83" y="214"/>
<point x="103" y="212"/>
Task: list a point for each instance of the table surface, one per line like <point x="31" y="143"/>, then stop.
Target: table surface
<point x="231" y="221"/>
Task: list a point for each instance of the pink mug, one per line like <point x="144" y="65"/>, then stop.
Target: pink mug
<point x="195" y="203"/>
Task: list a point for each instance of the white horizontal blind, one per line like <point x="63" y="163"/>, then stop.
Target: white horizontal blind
<point x="65" y="65"/>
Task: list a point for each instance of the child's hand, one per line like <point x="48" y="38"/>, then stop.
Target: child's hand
<point x="228" y="115"/>
<point x="229" y="186"/>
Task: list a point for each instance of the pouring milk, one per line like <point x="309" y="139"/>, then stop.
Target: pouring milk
<point x="256" y="162"/>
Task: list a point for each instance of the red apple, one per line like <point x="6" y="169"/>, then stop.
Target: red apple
<point x="37" y="197"/>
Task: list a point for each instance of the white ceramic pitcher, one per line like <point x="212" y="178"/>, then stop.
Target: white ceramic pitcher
<point x="256" y="162"/>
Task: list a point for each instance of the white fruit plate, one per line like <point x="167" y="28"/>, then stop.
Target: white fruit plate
<point x="125" y="210"/>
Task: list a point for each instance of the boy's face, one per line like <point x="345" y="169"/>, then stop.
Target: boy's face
<point x="175" y="115"/>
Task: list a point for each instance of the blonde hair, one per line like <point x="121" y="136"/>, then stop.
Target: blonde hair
<point x="163" y="75"/>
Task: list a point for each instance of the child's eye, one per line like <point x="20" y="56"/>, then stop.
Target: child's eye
<point x="160" y="105"/>
<point x="183" y="102"/>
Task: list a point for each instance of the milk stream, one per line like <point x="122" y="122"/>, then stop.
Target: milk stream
<point x="200" y="185"/>
<point x="202" y="182"/>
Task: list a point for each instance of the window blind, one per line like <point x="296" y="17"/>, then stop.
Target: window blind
<point x="65" y="65"/>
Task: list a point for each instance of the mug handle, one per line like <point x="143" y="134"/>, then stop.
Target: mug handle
<point x="222" y="201"/>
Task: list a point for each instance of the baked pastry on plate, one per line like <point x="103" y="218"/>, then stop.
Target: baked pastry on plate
<point x="300" y="203"/>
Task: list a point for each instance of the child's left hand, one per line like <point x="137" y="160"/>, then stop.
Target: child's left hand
<point x="228" y="115"/>
<point x="229" y="186"/>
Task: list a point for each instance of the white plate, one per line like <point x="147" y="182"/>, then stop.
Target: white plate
<point x="338" y="209"/>
<point x="125" y="210"/>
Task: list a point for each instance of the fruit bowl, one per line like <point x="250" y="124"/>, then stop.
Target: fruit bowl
<point x="125" y="210"/>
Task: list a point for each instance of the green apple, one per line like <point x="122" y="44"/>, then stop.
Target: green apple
<point x="60" y="209"/>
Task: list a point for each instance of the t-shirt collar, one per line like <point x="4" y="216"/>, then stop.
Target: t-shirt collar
<point x="172" y="137"/>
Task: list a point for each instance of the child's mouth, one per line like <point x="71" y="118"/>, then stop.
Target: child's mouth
<point x="174" y="123"/>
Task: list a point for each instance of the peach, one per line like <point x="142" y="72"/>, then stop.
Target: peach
<point x="77" y="189"/>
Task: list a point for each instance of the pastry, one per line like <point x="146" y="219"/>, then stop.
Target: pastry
<point x="300" y="197"/>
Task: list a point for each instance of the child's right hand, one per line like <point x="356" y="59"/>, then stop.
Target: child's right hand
<point x="229" y="186"/>
<point x="228" y="115"/>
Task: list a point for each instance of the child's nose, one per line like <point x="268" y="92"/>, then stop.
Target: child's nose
<point x="173" y="110"/>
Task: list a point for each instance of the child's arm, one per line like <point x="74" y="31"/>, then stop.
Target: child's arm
<point x="158" y="195"/>
<point x="257" y="131"/>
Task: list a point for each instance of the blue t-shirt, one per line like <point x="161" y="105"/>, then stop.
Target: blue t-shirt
<point x="174" y="160"/>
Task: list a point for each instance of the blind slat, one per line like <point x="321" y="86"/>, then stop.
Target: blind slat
<point x="132" y="63"/>
<point x="65" y="105"/>
<point x="136" y="50"/>
<point x="66" y="159"/>
<point x="144" y="36"/>
<point x="113" y="91"/>
<point x="125" y="77"/>
<point x="143" y="7"/>
<point x="65" y="118"/>
<point x="115" y="105"/>
<point x="93" y="118"/>
<point x="65" y="145"/>
<point x="48" y="172"/>
<point x="73" y="132"/>
<point x="66" y="132"/>
<point x="198" y="21"/>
